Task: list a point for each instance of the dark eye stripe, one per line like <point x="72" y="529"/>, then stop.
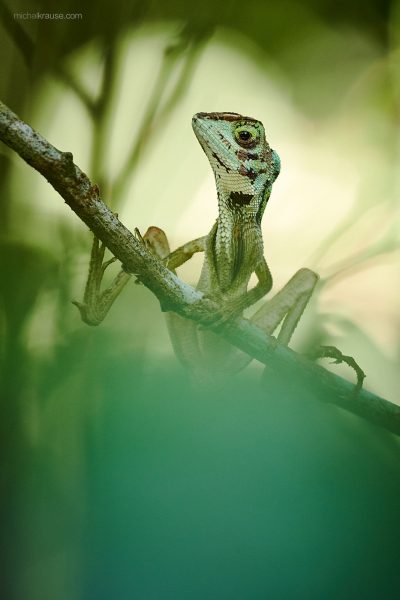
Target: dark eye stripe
<point x="217" y="158"/>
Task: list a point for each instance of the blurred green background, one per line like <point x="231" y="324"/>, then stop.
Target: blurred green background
<point x="117" y="479"/>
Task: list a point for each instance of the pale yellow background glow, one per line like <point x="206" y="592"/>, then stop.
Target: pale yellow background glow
<point x="330" y="166"/>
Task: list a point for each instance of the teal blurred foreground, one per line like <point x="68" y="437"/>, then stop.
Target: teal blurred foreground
<point x="248" y="492"/>
<point x="117" y="479"/>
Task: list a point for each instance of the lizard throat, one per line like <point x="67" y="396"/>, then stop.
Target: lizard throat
<point x="237" y="237"/>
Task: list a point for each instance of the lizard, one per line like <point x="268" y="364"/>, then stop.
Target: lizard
<point x="245" y="168"/>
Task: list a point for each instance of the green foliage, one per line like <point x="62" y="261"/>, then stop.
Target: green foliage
<point x="117" y="479"/>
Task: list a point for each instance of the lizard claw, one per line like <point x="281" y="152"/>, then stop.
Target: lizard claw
<point x="139" y="237"/>
<point x="339" y="357"/>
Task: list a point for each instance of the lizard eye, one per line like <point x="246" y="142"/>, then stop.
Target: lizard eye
<point x="246" y="136"/>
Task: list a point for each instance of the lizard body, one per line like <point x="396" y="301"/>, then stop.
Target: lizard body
<point x="245" y="168"/>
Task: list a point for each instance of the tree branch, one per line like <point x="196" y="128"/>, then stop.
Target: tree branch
<point x="84" y="199"/>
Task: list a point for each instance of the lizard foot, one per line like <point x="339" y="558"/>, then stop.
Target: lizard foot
<point x="339" y="357"/>
<point x="97" y="303"/>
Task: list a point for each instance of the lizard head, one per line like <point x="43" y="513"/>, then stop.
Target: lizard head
<point x="244" y="165"/>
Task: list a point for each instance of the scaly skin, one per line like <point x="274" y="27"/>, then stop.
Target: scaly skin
<point x="245" y="168"/>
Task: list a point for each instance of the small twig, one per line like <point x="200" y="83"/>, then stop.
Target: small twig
<point x="154" y="116"/>
<point x="360" y="260"/>
<point x="99" y="116"/>
<point x="142" y="137"/>
<point x="71" y="81"/>
<point x="21" y="38"/>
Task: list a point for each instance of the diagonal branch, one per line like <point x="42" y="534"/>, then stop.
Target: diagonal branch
<point x="84" y="199"/>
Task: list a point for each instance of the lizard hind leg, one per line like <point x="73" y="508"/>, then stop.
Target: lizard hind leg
<point x="287" y="305"/>
<point x="182" y="332"/>
<point x="96" y="302"/>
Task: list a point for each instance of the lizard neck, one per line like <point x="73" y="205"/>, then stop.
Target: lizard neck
<point x="232" y="217"/>
<point x="237" y="241"/>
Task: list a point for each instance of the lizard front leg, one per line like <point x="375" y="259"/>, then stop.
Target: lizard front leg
<point x="238" y="301"/>
<point x="184" y="253"/>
